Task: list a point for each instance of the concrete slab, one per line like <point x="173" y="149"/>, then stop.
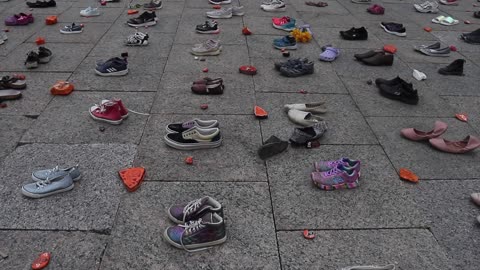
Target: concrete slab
<point x="92" y="32"/>
<point x="13" y="127"/>
<point x="469" y="105"/>
<point x="453" y="38"/>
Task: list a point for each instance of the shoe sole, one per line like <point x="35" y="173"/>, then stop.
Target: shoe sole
<point x="113" y="122"/>
<point x="436" y="55"/>
<point x="145" y="43"/>
<point x="37" y="196"/>
<point x="194" y="246"/>
<point x="208" y="32"/>
<point x="217" y="52"/>
<point x="393" y="33"/>
<point x="221" y="3"/>
<point x="275" y="10"/>
<point x="68" y="33"/>
<point x="36" y="179"/>
<point x="112" y="74"/>
<point x="220" y="16"/>
<point x="279" y="27"/>
<point x="354" y="184"/>
<point x="143" y="24"/>
<point x="197" y="146"/>
<point x="294" y="47"/>
<point x="393" y="97"/>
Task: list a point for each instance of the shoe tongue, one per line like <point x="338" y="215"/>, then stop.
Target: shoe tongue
<point x="207" y="218"/>
<point x="188" y="124"/>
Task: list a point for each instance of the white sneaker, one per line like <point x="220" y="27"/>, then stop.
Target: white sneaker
<point x="274" y="6"/>
<point x="137" y="39"/>
<point x="223" y="13"/>
<point x="90" y="12"/>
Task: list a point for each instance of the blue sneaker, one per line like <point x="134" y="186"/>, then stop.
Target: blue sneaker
<point x="58" y="184"/>
<point x="112" y="67"/>
<point x="286" y="42"/>
<point x="42" y="175"/>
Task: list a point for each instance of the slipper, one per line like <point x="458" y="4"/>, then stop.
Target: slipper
<point x="316" y="4"/>
<point x="303" y="118"/>
<point x="438" y="19"/>
<point x="314" y="108"/>
<point x="10" y="94"/>
<point x="330" y="54"/>
<point x="272" y="147"/>
<point x="302" y="136"/>
<point x="8" y="82"/>
<point x="448" y="21"/>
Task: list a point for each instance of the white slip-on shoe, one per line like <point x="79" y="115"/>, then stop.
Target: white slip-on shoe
<point x="303" y="118"/>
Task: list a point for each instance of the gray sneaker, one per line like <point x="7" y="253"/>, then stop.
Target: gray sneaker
<point x="154" y="4"/>
<point x="54" y="185"/>
<point x="223" y="13"/>
<point x="42" y="175"/>
<point x="210" y="47"/>
<point x="427" y="7"/>
<point x="435" y="45"/>
<point x="298" y="69"/>
<point x="238" y="11"/>
<point x="290" y="62"/>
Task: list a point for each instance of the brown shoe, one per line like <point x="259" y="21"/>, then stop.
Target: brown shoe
<point x="379" y="59"/>
<point x="208" y="89"/>
<point x="207" y="80"/>
<point x="466" y="145"/>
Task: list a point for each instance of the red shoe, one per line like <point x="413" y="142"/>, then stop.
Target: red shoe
<point x="107" y="112"/>
<point x="123" y="109"/>
<point x="249" y="70"/>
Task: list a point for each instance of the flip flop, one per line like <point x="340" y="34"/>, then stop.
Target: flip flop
<point x="10" y="94"/>
<point x="449" y="21"/>
<point x="330" y="54"/>
<point x="272" y="147"/>
<point x="316" y="4"/>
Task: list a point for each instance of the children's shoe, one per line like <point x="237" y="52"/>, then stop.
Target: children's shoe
<point x="207" y="231"/>
<point x="193" y="210"/>
<point x="20" y="19"/>
<point x="209" y="27"/>
<point x="44" y="55"/>
<point x="145" y="19"/>
<point x="42" y="4"/>
<point x="324" y="166"/>
<point x="72" y="29"/>
<point x="181" y="127"/>
<point x="90" y="12"/>
<point x="152" y="5"/>
<point x="194" y="138"/>
<point x="223" y="13"/>
<point x="107" y="112"/>
<point x="123" y="109"/>
<point x="43" y="175"/>
<point x="113" y="67"/>
<point x="284" y="23"/>
<point x="238" y="11"/>
<point x="286" y="42"/>
<point x="274" y="6"/>
<point x="32" y="60"/>
<point x="337" y="178"/>
<point x="209" y="47"/>
<point x="50" y="186"/>
<point x="137" y="39"/>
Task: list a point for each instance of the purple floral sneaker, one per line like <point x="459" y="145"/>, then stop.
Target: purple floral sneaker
<point x="193" y="210"/>
<point x="207" y="231"/>
<point x="323" y="166"/>
<point x="337" y="178"/>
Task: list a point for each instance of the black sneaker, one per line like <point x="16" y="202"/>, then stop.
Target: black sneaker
<point x="394" y="28"/>
<point x="472" y="37"/>
<point x="193" y="210"/>
<point x="113" y="67"/>
<point x="194" y="138"/>
<point x="44" y="55"/>
<point x="209" y="27"/>
<point x="455" y="68"/>
<point x="290" y="62"/>
<point x="355" y="34"/>
<point x="402" y="91"/>
<point x="42" y="4"/>
<point x="296" y="70"/>
<point x="145" y="19"/>
<point x="32" y="60"/>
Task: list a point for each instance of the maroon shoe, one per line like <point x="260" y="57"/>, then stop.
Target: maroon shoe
<point x="107" y="112"/>
<point x="207" y="80"/>
<point x="376" y="9"/>
<point x="466" y="145"/>
<point x="208" y="89"/>
<point x="418" y="135"/>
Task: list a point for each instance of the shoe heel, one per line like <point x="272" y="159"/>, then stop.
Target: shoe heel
<point x="353" y="184"/>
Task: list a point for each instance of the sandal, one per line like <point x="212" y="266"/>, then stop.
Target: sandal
<point x="445" y="20"/>
<point x="316" y="4"/>
<point x="329" y="54"/>
<point x="8" y="82"/>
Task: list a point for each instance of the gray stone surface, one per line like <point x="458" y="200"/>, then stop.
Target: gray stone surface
<point x="13" y="127"/>
<point x="92" y="32"/>
<point x="468" y="105"/>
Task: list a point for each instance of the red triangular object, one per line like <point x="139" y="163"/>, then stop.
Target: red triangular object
<point x="260" y="113"/>
<point x="132" y="177"/>
<point x="462" y="117"/>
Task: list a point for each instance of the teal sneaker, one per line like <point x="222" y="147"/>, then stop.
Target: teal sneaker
<point x="42" y="175"/>
<point x="58" y="184"/>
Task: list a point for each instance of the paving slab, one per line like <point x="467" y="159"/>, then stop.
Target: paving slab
<point x="345" y="123"/>
<point x="319" y="21"/>
<point x="407" y="248"/>
<point x="453" y="38"/>
<point x="39" y="14"/>
<point x="250" y="237"/>
<point x="185" y="81"/>
<point x="420" y="157"/>
<point x="72" y="112"/>
<point x="194" y="16"/>
<point x="91" y="205"/>
<point x="332" y="8"/>
<point x="241" y="139"/>
<point x="92" y="32"/>
<point x="23" y="247"/>
<point x="13" y="127"/>
<point x="469" y="105"/>
<point x="252" y="8"/>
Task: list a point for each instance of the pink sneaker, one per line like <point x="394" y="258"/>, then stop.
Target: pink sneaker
<point x="324" y="166"/>
<point x="280" y="21"/>
<point x="107" y="112"/>
<point x="337" y="178"/>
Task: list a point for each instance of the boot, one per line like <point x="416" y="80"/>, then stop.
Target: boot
<point x="455" y="68"/>
<point x="107" y="112"/>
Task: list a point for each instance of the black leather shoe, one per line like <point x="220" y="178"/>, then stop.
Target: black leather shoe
<point x="355" y="34"/>
<point x="403" y="92"/>
<point x="455" y="68"/>
<point x="379" y="59"/>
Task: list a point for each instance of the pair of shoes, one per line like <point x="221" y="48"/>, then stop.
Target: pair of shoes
<point x="208" y="86"/>
<point x="472" y="37"/>
<point x="376" y="10"/>
<point x="433" y="50"/>
<point x="194" y="134"/>
<point x="468" y="144"/>
<point x="454" y="68"/>
<point x="305" y="114"/>
<point x="295" y="67"/>
<point x="43" y="56"/>
<point x="226" y="13"/>
<point x="375" y="58"/>
<point x="286" y="42"/>
<point x="284" y="23"/>
<point x="72" y="29"/>
<point x="14" y="82"/>
<point x="209" y="27"/>
<point x="336" y="174"/>
<point x="398" y="89"/>
<point x="90" y="12"/>
<point x="273" y="6"/>
<point x="396" y="29"/>
<point x="51" y="181"/>
<point x="329" y="53"/>
<point x="303" y="136"/>
<point x="20" y="19"/>
<point x="449" y="2"/>
<point x="153" y="5"/>
<point x="112" y="67"/>
<point x="209" y="47"/>
<point x="271" y="147"/>
<point x="427" y="7"/>
<point x="200" y="225"/>
<point x="137" y="39"/>
<point x="355" y="34"/>
<point x="42" y="4"/>
<point x="147" y="18"/>
<point x="110" y="111"/>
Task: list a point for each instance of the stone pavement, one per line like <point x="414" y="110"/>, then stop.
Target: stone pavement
<point x="99" y="225"/>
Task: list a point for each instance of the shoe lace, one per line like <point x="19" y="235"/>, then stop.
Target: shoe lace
<point x="191" y="207"/>
<point x="284" y="20"/>
<point x="333" y="171"/>
<point x="191" y="227"/>
<point x="46" y="182"/>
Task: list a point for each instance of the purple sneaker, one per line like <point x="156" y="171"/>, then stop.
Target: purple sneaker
<point x="337" y="178"/>
<point x="182" y="213"/>
<point x="196" y="235"/>
<point x="323" y="166"/>
<point x="20" y="19"/>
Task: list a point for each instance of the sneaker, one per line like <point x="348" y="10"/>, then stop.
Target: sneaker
<point x="32" y="60"/>
<point x="181" y="127"/>
<point x="223" y="13"/>
<point x="42" y="4"/>
<point x="324" y="166"/>
<point x="220" y="2"/>
<point x="123" y="109"/>
<point x="90" y="12"/>
<point x="107" y="112"/>
<point x="286" y="42"/>
<point x="434" y="46"/>
<point x="50" y="186"/>
<point x="284" y="23"/>
<point x="113" y="67"/>
<point x="238" y="11"/>
<point x="274" y="6"/>
<point x="403" y="92"/>
<point x="455" y="68"/>
<point x="145" y="19"/>
<point x="194" y="138"/>
<point x="72" y="29"/>
<point x="361" y="1"/>
<point x="337" y="178"/>
<point x="394" y="28"/>
<point x="427" y="7"/>
<point x="153" y="5"/>
<point x="193" y="210"/>
<point x="43" y="175"/>
<point x="137" y="39"/>
<point x="207" y="231"/>
<point x="209" y="47"/>
<point x="449" y="2"/>
<point x="355" y="34"/>
<point x="290" y="62"/>
<point x="299" y="69"/>
<point x="44" y="55"/>
<point x="472" y="37"/>
<point x="209" y="27"/>
<point x="440" y="52"/>
<point x="208" y="89"/>
<point x="20" y="19"/>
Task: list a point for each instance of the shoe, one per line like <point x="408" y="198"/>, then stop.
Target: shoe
<point x="418" y="75"/>
<point x="394" y="28"/>
<point x="123" y="110"/>
<point x="42" y="4"/>
<point x="20" y="19"/>
<point x="433" y="46"/>
<point x="302" y="136"/>
<point x="10" y="94"/>
<point x="286" y="42"/>
<point x="238" y="11"/>
<point x="274" y="6"/>
<point x="395" y="81"/>
<point x="355" y="34"/>
<point x="441" y="52"/>
<point x="107" y="112"/>
<point x="475" y="198"/>
<point x="379" y="59"/>
<point x="209" y="27"/>
<point x="418" y="135"/>
<point x="455" y="68"/>
<point x="472" y="37"/>
<point x="137" y="39"/>
<point x="208" y="89"/>
<point x="193" y="210"/>
<point x="7" y="82"/>
<point x="50" y="186"/>
<point x="272" y="147"/>
<point x="325" y="166"/>
<point x="153" y="5"/>
<point x="194" y="138"/>
<point x="43" y="175"/>
<point x="44" y="55"/>
<point x="427" y="7"/>
<point x="468" y="144"/>
<point x="476" y="14"/>
<point x="72" y="29"/>
<point x="329" y="54"/>
<point x="113" y="67"/>
<point x="337" y="178"/>
<point x="181" y="127"/>
<point x="299" y="69"/>
<point x="370" y="267"/>
<point x="449" y="2"/>
<point x="220" y="2"/>
<point x="284" y="23"/>
<point x="315" y="108"/>
<point x="208" y="80"/>
<point x="90" y="12"/>
<point x="376" y="10"/>
<point x="360" y="56"/>
<point x="303" y="118"/>
<point x="32" y="60"/>
<point x="209" y="47"/>
<point x="361" y="1"/>
<point x="145" y="19"/>
<point x="223" y="13"/>
<point x="403" y="92"/>
<point x="207" y="231"/>
<point x="445" y="20"/>
<point x="290" y="62"/>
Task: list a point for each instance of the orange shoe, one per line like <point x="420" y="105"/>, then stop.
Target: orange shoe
<point x="132" y="177"/>
<point x="61" y="88"/>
